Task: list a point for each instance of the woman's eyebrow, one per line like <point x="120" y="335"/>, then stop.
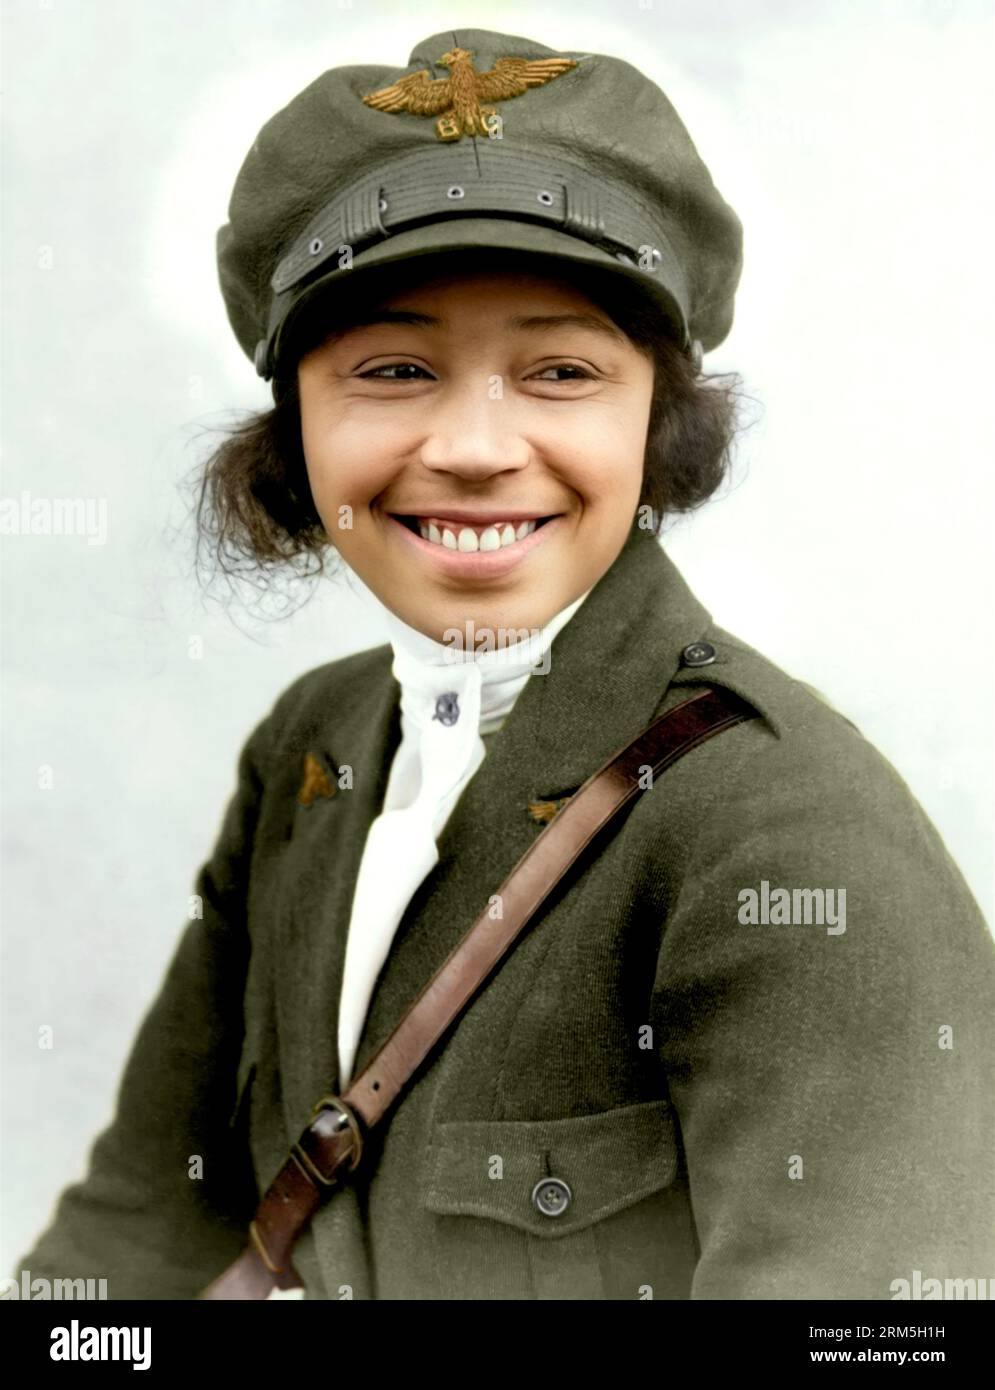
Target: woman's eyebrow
<point x="543" y="323"/>
<point x="378" y="316"/>
<point x="531" y="323"/>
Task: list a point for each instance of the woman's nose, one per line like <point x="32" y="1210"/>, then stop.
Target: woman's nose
<point x="474" y="431"/>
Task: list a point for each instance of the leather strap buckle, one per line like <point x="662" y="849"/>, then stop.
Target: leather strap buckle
<point x="323" y="1132"/>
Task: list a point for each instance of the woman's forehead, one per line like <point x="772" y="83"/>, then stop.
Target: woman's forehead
<point x="456" y="287"/>
<point x="480" y="278"/>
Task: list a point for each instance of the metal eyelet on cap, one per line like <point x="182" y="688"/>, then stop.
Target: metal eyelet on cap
<point x="316" y="245"/>
<point x="545" y="197"/>
<point x="382" y="204"/>
<point x="455" y="192"/>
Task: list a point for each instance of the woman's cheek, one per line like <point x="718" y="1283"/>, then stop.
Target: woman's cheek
<point x="333" y="499"/>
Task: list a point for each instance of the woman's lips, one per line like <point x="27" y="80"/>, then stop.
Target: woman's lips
<point x="472" y="564"/>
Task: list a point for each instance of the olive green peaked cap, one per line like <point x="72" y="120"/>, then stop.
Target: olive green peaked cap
<point x="482" y="141"/>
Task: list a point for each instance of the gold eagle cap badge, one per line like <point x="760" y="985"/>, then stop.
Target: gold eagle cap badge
<point x="457" y="100"/>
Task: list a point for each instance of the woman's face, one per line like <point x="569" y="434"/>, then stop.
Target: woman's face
<point x="474" y="408"/>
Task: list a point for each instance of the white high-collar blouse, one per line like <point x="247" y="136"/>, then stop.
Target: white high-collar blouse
<point x="448" y="700"/>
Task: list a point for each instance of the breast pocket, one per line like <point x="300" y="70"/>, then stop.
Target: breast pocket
<point x="571" y="1208"/>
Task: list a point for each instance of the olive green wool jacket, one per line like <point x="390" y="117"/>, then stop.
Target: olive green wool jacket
<point x="740" y="1109"/>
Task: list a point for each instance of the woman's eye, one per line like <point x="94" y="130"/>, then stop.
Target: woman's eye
<point x="580" y="374"/>
<point x="378" y="373"/>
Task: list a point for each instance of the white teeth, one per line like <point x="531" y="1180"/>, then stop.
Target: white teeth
<point x="466" y="540"/>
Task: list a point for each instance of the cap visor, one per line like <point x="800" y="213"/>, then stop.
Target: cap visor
<point x="461" y="234"/>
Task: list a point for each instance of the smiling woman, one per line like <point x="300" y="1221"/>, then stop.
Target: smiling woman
<point x="441" y="1026"/>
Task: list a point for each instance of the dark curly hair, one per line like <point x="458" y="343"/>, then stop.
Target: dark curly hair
<point x="256" y="517"/>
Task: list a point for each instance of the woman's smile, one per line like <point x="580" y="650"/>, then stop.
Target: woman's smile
<point x="470" y="551"/>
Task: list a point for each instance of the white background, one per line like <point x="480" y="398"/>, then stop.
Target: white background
<point x="853" y="549"/>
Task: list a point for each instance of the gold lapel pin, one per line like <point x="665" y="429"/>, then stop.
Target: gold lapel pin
<point x="543" y="811"/>
<point x="316" y="781"/>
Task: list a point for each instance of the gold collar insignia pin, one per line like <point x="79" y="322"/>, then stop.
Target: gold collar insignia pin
<point x="316" y="782"/>
<point x="542" y="812"/>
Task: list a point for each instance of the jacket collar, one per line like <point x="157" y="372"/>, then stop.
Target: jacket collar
<point x="425" y="668"/>
<point x="609" y="670"/>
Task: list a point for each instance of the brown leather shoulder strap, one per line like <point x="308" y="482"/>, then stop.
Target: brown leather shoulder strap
<point x="331" y="1146"/>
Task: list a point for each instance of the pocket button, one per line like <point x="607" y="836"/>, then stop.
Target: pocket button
<point x="551" y="1196"/>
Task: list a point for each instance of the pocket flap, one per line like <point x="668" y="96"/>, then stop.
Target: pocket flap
<point x="607" y="1161"/>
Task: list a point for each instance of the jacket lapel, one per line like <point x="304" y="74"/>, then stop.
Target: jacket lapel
<point x="609" y="670"/>
<point x="318" y="876"/>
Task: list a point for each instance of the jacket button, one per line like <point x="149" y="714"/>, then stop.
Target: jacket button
<point x="551" y="1196"/>
<point x="447" y="708"/>
<point x="698" y="654"/>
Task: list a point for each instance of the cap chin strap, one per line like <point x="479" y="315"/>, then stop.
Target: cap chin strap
<point x="483" y="179"/>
